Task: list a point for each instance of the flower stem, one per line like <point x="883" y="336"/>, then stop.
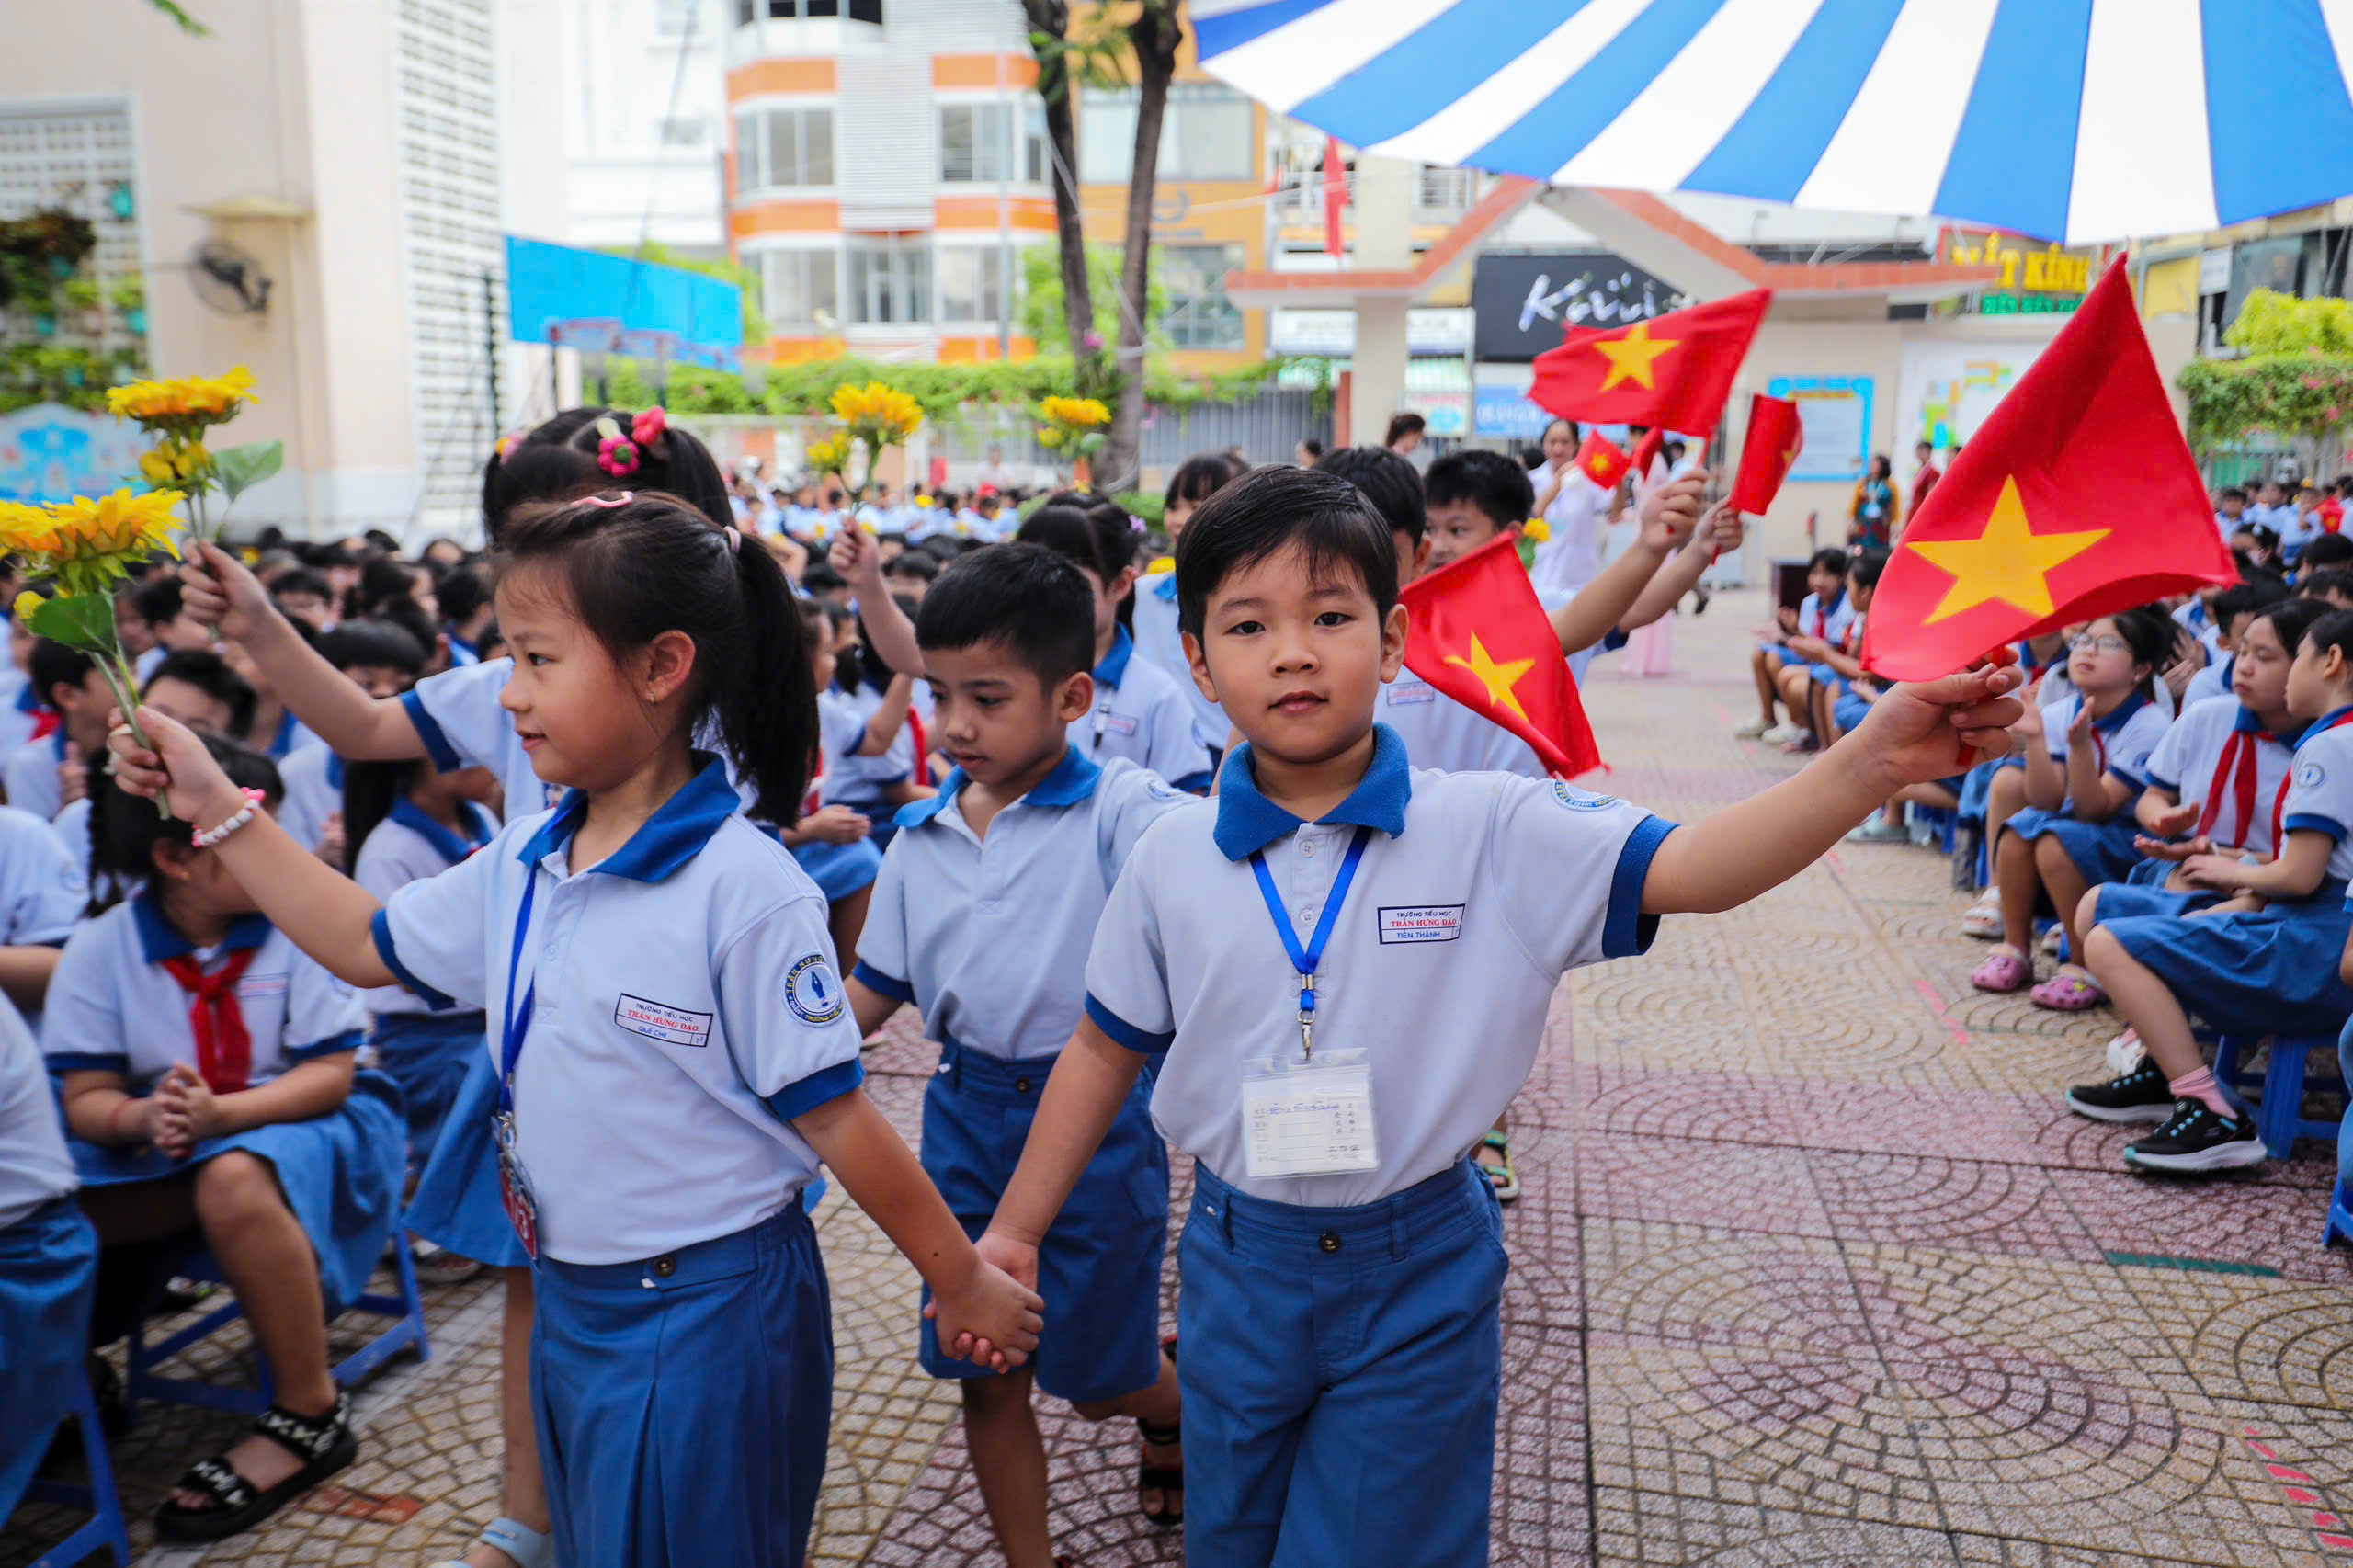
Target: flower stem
<point x="121" y="679"/>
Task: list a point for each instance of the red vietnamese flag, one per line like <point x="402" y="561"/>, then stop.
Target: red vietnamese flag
<point x="2076" y="498"/>
<point x="1672" y="371"/>
<point x="1480" y="636"/>
<point x="1335" y="196"/>
<point x="1772" y="444"/>
<point x="1603" y="460"/>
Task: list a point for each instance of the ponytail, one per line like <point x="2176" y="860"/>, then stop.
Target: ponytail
<point x="763" y="701"/>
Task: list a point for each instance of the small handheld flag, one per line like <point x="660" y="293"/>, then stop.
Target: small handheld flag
<point x="1603" y="460"/>
<point x="1671" y="372"/>
<point x="1480" y="635"/>
<point x="2076" y="498"/>
<point x="1772" y="444"/>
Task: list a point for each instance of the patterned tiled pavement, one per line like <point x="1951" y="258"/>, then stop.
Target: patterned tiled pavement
<point x="1810" y="1269"/>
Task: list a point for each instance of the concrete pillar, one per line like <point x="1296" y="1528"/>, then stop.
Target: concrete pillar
<point x="1384" y="240"/>
<point x="1381" y="358"/>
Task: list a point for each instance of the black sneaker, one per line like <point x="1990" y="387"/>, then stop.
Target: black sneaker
<point x="2139" y="1095"/>
<point x="2195" y="1139"/>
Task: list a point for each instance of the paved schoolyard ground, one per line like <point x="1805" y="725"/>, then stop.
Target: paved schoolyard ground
<point x="1810" y="1269"/>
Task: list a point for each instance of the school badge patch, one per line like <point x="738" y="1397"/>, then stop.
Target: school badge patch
<point x="1577" y="800"/>
<point x="2310" y="775"/>
<point x="813" y="992"/>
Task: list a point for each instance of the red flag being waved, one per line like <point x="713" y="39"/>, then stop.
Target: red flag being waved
<point x="1480" y="636"/>
<point x="2076" y="498"/>
<point x="1603" y="460"/>
<point x="1772" y="444"/>
<point x="1672" y="371"/>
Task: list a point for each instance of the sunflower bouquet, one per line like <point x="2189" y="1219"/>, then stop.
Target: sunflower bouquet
<point x="874" y="416"/>
<point x="179" y="413"/>
<point x="80" y="549"/>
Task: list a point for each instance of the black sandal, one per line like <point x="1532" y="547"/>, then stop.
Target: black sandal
<point x="323" y="1443"/>
<point x="1160" y="1478"/>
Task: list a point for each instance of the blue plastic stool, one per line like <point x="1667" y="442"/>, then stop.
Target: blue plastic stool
<point x="1942" y="821"/>
<point x="2340" y="1215"/>
<point x="104" y="1528"/>
<point x="407" y="1311"/>
<point x="2279" y="1117"/>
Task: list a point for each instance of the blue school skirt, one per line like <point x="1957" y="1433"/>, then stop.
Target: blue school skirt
<point x="683" y="1402"/>
<point x="1781" y="654"/>
<point x="49" y="1268"/>
<point x="428" y="1054"/>
<point x="1098" y="1267"/>
<point x="882" y="816"/>
<point x="1976" y="788"/>
<point x="840" y="869"/>
<point x="2273" y="972"/>
<point x="2102" y="851"/>
<point x="456" y="1204"/>
<point x="1849" y="712"/>
<point x="1823" y="676"/>
<point x="341" y="1174"/>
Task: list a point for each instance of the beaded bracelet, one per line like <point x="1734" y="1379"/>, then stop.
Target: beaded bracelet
<point x="206" y="837"/>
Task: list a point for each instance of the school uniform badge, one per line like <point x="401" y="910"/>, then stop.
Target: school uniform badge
<point x="813" y="992"/>
<point x="1578" y="799"/>
<point x="2310" y="775"/>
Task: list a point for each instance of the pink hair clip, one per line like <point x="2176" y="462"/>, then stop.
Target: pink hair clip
<point x="648" y="427"/>
<point x="608" y="502"/>
<point x="508" y="442"/>
<point x="617" y="455"/>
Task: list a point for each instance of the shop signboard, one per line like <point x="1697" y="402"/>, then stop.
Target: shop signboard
<point x="1523" y="306"/>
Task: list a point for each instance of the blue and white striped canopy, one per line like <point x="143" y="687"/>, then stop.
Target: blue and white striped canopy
<point x="2071" y="120"/>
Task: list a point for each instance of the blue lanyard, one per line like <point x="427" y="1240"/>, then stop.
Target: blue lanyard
<point x="517" y="1021"/>
<point x="1305" y="960"/>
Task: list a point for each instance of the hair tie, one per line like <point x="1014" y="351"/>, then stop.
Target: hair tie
<point x="622" y="499"/>
<point x="734" y="540"/>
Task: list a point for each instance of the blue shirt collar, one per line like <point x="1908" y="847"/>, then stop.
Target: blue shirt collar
<point x="1247" y="821"/>
<point x="1164" y="584"/>
<point x="287" y="725"/>
<point x="1073" y="780"/>
<point x="335" y="771"/>
<point x="1115" y="663"/>
<point x="663" y="842"/>
<point x="2121" y="714"/>
<point x="2324" y="721"/>
<point x="452" y="847"/>
<point x="159" y="939"/>
<point x="28" y="699"/>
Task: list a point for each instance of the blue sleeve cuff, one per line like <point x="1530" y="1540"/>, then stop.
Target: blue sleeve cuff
<point x="1194" y="783"/>
<point x="2133" y="780"/>
<point x="428" y="730"/>
<point x="350" y="1039"/>
<point x="1626" y="930"/>
<point x="818" y="1088"/>
<point x="381" y="929"/>
<point x="2306" y="822"/>
<point x="1125" y="1033"/>
<point x="2170" y="786"/>
<point x="881" y="985"/>
<point x="88" y="1062"/>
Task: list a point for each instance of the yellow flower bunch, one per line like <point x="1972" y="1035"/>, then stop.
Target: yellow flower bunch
<point x="876" y="413"/>
<point x="1083" y="412"/>
<point x="176" y="464"/>
<point x="90" y="540"/>
<point x="1536" y="530"/>
<point x="183" y="401"/>
<point x="829" y="456"/>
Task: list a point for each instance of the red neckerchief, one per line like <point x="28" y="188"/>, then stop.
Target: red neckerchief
<point x="2239" y="752"/>
<point x="224" y="1047"/>
<point x="922" y="751"/>
<point x="2280" y="806"/>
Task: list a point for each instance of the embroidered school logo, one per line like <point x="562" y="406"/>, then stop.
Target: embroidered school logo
<point x="1421" y="923"/>
<point x="813" y="992"/>
<point x="2309" y="776"/>
<point x="1578" y="799"/>
<point x="657" y="1020"/>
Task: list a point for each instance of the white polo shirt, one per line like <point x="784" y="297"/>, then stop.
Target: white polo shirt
<point x="1440" y="733"/>
<point x="2126" y="736"/>
<point x="31" y="778"/>
<point x="1139" y="714"/>
<point x="44" y="885"/>
<point x="686" y="1008"/>
<point x="458" y="716"/>
<point x="35" y="1169"/>
<point x="2320" y="789"/>
<point x="851" y="779"/>
<point x="19" y="706"/>
<point x="1477" y="892"/>
<point x="1572" y="557"/>
<point x="1163" y="645"/>
<point x="2188" y="758"/>
<point x="989" y="936"/>
<point x="2212" y="681"/>
<point x="313" y="780"/>
<point x="408" y="846"/>
<point x="113" y="1008"/>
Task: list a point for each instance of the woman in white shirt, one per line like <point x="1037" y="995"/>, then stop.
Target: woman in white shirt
<point x="1576" y="510"/>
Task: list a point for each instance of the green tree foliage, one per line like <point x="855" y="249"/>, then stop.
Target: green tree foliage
<point x="1042" y="305"/>
<point x="2296" y="379"/>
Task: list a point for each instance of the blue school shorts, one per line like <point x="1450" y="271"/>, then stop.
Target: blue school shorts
<point x="1342" y="1372"/>
<point x="839" y="869"/>
<point x="683" y="1402"/>
<point x="1781" y="654"/>
<point x="1098" y="1267"/>
<point x="2272" y="972"/>
<point x="428" y="1054"/>
<point x="2101" y="851"/>
<point x="1849" y="712"/>
<point x="49" y="1270"/>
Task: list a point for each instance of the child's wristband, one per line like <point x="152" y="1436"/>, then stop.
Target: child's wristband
<point x="206" y="837"/>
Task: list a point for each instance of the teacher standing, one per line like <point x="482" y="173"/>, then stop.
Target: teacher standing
<point x="1871" y="514"/>
<point x="1576" y="510"/>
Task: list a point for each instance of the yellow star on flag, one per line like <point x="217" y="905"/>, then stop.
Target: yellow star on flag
<point x="2009" y="562"/>
<point x="1498" y="678"/>
<point x="1631" y="356"/>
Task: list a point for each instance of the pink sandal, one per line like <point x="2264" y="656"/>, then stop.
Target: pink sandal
<point x="2004" y="969"/>
<point x="2072" y="990"/>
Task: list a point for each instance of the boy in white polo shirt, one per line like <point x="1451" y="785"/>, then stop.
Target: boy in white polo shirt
<point x="981" y="917"/>
<point x="1349" y="963"/>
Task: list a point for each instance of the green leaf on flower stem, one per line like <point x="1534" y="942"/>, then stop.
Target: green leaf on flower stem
<point x="1090" y="443"/>
<point x="239" y="469"/>
<point x="79" y="620"/>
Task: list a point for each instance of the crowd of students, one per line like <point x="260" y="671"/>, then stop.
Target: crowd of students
<point x="539" y="906"/>
<point x="2170" y="820"/>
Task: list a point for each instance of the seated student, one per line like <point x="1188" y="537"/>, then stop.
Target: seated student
<point x="2323" y="552"/>
<point x="199" y="690"/>
<point x="1814" y="689"/>
<point x="467" y="614"/>
<point x="43" y="888"/>
<point x="271" y="727"/>
<point x="2197" y="613"/>
<point x="382" y="660"/>
<point x="834" y="843"/>
<point x="911" y="575"/>
<point x="2229" y="505"/>
<point x="1822" y="615"/>
<point x="2233" y="608"/>
<point x="872" y="753"/>
<point x="49" y="1263"/>
<point x="1031" y="830"/>
<point x="2077" y="829"/>
<point x="1158" y="642"/>
<point x="175" y="631"/>
<point x="2334" y="588"/>
<point x="23" y="715"/>
<point x="42" y="775"/>
<point x="1341" y="1281"/>
<point x="2256" y="545"/>
<point x="2270" y="960"/>
<point x="209" y="1082"/>
<point x="1138" y="713"/>
<point x="302" y="595"/>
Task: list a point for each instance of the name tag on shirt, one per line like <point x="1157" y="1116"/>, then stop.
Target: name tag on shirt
<point x="1120" y="723"/>
<point x="670" y="1026"/>
<point x="1313" y="1118"/>
<point x="1401" y="694"/>
<point x="1421" y="923"/>
<point x="253" y="985"/>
